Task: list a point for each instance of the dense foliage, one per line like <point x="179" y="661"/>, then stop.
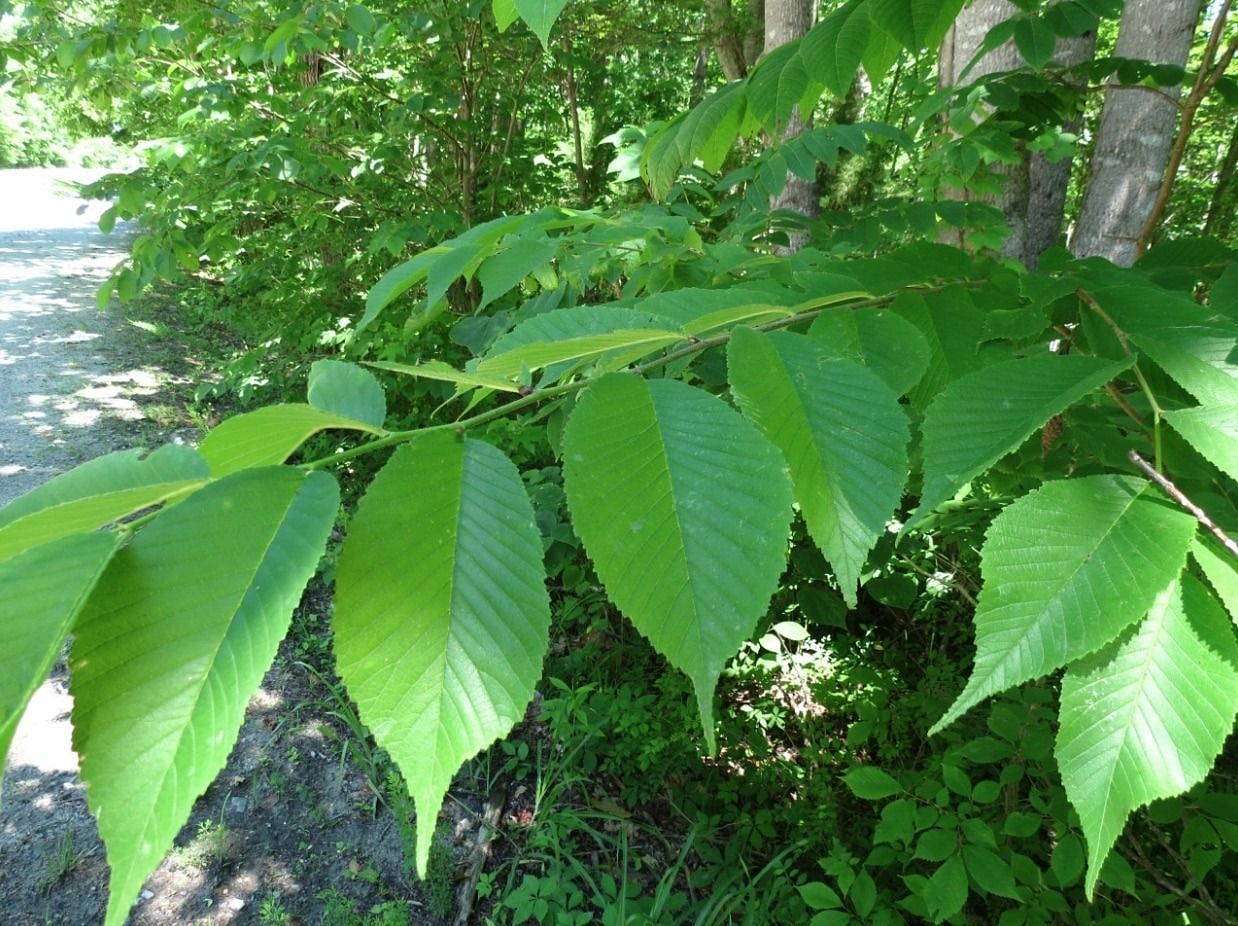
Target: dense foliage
<point x="787" y="468"/>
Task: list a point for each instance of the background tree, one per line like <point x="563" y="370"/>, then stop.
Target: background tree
<point x="1136" y="132"/>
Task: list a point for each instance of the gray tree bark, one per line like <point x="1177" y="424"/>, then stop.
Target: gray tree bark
<point x="785" y="21"/>
<point x="1135" y="135"/>
<point x="1033" y="199"/>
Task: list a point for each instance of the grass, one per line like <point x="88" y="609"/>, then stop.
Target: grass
<point x="208" y="846"/>
<point x="65" y="859"/>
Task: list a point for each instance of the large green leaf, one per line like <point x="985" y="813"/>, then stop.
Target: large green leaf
<point x="1066" y="569"/>
<point x="987" y="414"/>
<point x="436" y="369"/>
<point x="44" y="588"/>
<point x="1188" y="341"/>
<point x="832" y="49"/>
<point x="886" y="343"/>
<point x="1146" y="718"/>
<point x="441" y="613"/>
<point x="172" y="643"/>
<point x="952" y="327"/>
<point x="540" y="15"/>
<point x="709" y="130"/>
<point x="99" y="492"/>
<point x="501" y="272"/>
<point x="505" y="13"/>
<point x="1213" y="431"/>
<point x="269" y="436"/>
<point x="615" y="334"/>
<point x="1218" y="568"/>
<point x="776" y="86"/>
<point x="347" y="390"/>
<point x="917" y="24"/>
<point x="685" y="508"/>
<point x="842" y="432"/>
<point x="699" y="311"/>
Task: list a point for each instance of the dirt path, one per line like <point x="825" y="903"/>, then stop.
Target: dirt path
<point x="289" y="834"/>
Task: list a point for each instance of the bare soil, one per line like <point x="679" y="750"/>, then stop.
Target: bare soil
<point x="295" y="830"/>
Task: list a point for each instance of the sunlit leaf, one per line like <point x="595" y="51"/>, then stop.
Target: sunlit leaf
<point x="1066" y="569"/>
<point x="171" y="645"/>
<point x="841" y="431"/>
<point x="660" y="483"/>
<point x="269" y="436"/>
<point x="540" y="16"/>
<point x="1213" y="431"/>
<point x="436" y="369"/>
<point x="44" y="589"/>
<point x="441" y="613"/>
<point x="97" y="493"/>
<point x="1147" y="717"/>
<point x="346" y="390"/>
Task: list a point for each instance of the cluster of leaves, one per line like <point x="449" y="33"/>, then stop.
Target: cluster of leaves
<point x="707" y="401"/>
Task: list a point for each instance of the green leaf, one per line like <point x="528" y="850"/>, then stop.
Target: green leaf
<point x="171" y="645"/>
<point x="870" y="783"/>
<point x="952" y="327"/>
<point x="360" y="20"/>
<point x="832" y="49"/>
<point x="505" y="13"/>
<point x="1213" y="431"/>
<point x="936" y="845"/>
<point x="1066" y="569"/>
<point x="886" y="343"/>
<point x="97" y="493"/>
<point x="659" y="480"/>
<point x="616" y="335"/>
<point x="917" y="24"/>
<point x="776" y="86"/>
<point x="44" y="589"/>
<point x="709" y="130"/>
<point x="441" y="614"/>
<point x="346" y="390"/>
<point x="436" y="369"/>
<point x="946" y="890"/>
<point x="840" y="429"/>
<point x="1219" y="570"/>
<point x="1035" y="40"/>
<point x="540" y="15"/>
<point x="699" y="311"/>
<point x="500" y="272"/>
<point x="1186" y="340"/>
<point x="1067" y="860"/>
<point x="967" y="429"/>
<point x="1147" y="717"/>
<point x="990" y="872"/>
<point x="819" y="896"/>
<point x="882" y="51"/>
<point x="269" y="436"/>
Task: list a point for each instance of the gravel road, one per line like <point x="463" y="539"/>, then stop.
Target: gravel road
<point x="60" y="383"/>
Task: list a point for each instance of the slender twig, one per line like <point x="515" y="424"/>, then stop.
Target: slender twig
<point x="1177" y="495"/>
<point x="1116" y="395"/>
<point x="395" y="438"/>
<point x="1157" y="413"/>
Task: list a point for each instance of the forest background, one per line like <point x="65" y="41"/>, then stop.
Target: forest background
<point x="829" y="372"/>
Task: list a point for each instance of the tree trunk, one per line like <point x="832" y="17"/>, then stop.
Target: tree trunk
<point x="737" y="45"/>
<point x="1135" y="135"/>
<point x="785" y="21"/>
<point x="1033" y="198"/>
